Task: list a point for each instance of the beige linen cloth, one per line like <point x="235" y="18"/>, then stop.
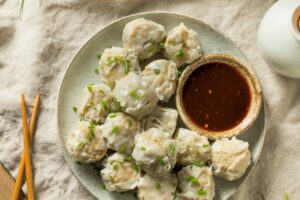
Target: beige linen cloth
<point x="35" y="52"/>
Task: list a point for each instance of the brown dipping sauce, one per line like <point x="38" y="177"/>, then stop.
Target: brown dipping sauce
<point x="216" y="97"/>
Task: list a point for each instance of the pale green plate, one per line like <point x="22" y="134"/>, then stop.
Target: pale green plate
<point x="81" y="72"/>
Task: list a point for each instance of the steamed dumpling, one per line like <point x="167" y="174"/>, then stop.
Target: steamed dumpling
<point x="151" y="188"/>
<point x="135" y="96"/>
<point x="144" y="36"/>
<point x="117" y="62"/>
<point x="97" y="103"/>
<point x="162" y="76"/>
<point x="196" y="183"/>
<point x="162" y="118"/>
<point x="120" y="173"/>
<point x="155" y="151"/>
<point x="182" y="45"/>
<point x="85" y="143"/>
<point x="230" y="158"/>
<point x="193" y="148"/>
<point x="119" y="130"/>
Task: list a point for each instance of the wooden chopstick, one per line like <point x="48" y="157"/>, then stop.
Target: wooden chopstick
<point x="18" y="184"/>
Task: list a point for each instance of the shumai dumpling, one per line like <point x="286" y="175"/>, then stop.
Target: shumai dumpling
<point x="119" y="130"/>
<point x="97" y="103"/>
<point x="196" y="183"/>
<point x="120" y="173"/>
<point x="162" y="118"/>
<point x="144" y="36"/>
<point x="117" y="62"/>
<point x="162" y="77"/>
<point x="230" y="158"/>
<point x="193" y="148"/>
<point x="135" y="96"/>
<point x="155" y="152"/>
<point x="151" y="188"/>
<point x="85" y="143"/>
<point x="182" y="45"/>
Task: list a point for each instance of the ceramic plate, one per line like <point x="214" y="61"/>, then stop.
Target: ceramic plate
<point x="81" y="73"/>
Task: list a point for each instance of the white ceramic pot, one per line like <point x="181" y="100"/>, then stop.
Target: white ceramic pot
<point x="279" y="37"/>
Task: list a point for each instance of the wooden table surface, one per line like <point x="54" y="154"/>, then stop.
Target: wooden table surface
<point x="6" y="184"/>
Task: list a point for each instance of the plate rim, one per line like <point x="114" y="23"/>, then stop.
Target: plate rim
<point x="62" y="147"/>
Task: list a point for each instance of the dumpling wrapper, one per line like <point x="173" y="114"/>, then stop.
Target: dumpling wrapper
<point x="85" y="143"/>
<point x="196" y="183"/>
<point x="144" y="36"/>
<point x="182" y="45"/>
<point x="120" y="173"/>
<point x="193" y="148"/>
<point x="97" y="103"/>
<point x="155" y="152"/>
<point x="117" y="62"/>
<point x="119" y="130"/>
<point x="151" y="188"/>
<point x="230" y="158"/>
<point x="162" y="76"/>
<point x="162" y="118"/>
<point x="135" y="96"/>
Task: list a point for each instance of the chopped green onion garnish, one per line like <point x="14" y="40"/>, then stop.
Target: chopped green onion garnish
<point x="135" y="167"/>
<point x="109" y="84"/>
<point x="103" y="186"/>
<point x="115" y="130"/>
<point x="117" y="104"/>
<point x="112" y="115"/>
<point x="90" y="135"/>
<point x="171" y="150"/>
<point x="126" y="68"/>
<point x="132" y="92"/>
<point x="128" y="159"/>
<point x="119" y="58"/>
<point x="192" y="179"/>
<point x="179" y="73"/>
<point x="80" y="145"/>
<point x="151" y="46"/>
<point x="21" y="8"/>
<point x="174" y="194"/>
<point x="90" y="87"/>
<point x="179" y="54"/>
<point x="143" y="149"/>
<point x="161" y="161"/>
<point x="129" y="122"/>
<point x="96" y="71"/>
<point x="206" y="145"/>
<point x="162" y="45"/>
<point x="157" y="186"/>
<point x="74" y="108"/>
<point x="110" y="60"/>
<point x="286" y="197"/>
<point x="91" y="126"/>
<point x="198" y="163"/>
<point x="102" y="92"/>
<point x="99" y="56"/>
<point x="122" y="149"/>
<point x="104" y="105"/>
<point x="201" y="192"/>
<point x="115" y="166"/>
<point x="138" y="96"/>
<point x="156" y="71"/>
